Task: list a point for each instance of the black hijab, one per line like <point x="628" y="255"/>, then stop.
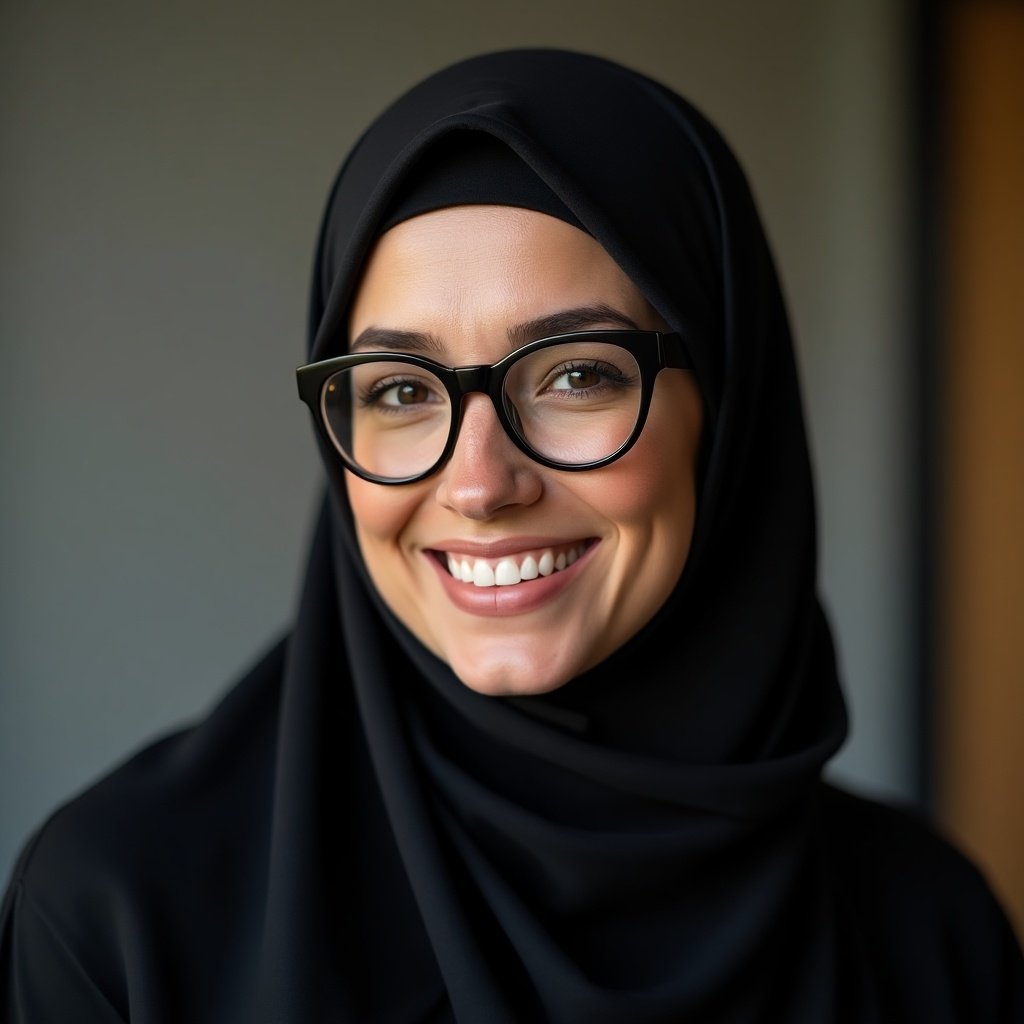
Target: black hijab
<point x="638" y="845"/>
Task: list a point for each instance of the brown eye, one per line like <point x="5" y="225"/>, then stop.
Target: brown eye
<point x="395" y="393"/>
<point x="410" y="394"/>
<point x="577" y="379"/>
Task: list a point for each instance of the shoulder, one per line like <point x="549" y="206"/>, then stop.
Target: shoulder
<point x="180" y="779"/>
<point x="922" y="913"/>
<point x="142" y="855"/>
<point x="895" y="847"/>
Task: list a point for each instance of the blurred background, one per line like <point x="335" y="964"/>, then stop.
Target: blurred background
<point x="163" y="171"/>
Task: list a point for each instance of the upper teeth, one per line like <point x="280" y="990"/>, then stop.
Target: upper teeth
<point x="504" y="572"/>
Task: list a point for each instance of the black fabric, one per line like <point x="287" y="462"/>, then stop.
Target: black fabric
<point x="353" y="835"/>
<point x="472" y="168"/>
<point x="148" y="899"/>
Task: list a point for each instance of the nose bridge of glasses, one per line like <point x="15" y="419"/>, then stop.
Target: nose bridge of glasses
<point x="476" y="379"/>
<point x="482" y="379"/>
<point x="473" y="378"/>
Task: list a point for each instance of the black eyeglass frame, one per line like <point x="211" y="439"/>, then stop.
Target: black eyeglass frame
<point x="652" y="350"/>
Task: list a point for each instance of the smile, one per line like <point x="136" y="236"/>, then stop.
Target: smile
<point x="512" y="569"/>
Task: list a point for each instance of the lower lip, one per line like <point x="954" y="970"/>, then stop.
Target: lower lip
<point x="517" y="599"/>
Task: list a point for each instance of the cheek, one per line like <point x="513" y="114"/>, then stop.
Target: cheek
<point x="643" y="492"/>
<point x="380" y="513"/>
<point x="650" y="494"/>
<point x="653" y="516"/>
<point x="670" y="443"/>
<point x="651" y="489"/>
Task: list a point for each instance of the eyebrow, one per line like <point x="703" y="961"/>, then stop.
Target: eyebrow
<point x="386" y="339"/>
<point x="565" y="321"/>
<point x="581" y="318"/>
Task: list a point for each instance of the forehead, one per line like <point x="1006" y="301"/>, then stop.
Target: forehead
<point x="470" y="271"/>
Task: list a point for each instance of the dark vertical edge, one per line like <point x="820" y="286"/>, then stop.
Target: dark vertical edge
<point x="927" y="180"/>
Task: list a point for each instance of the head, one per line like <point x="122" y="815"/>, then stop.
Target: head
<point x="651" y="225"/>
<point x="601" y="548"/>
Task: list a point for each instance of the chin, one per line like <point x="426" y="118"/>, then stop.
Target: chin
<point x="514" y="677"/>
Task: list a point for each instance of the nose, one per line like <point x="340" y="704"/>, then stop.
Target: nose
<point x="486" y="472"/>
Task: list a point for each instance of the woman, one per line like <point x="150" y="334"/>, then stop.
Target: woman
<point x="545" y="743"/>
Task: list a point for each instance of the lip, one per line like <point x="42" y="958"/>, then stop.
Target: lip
<point x="519" y="599"/>
<point x="505" y="546"/>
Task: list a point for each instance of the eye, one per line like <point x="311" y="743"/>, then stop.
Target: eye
<point x="406" y="393"/>
<point x="587" y="376"/>
<point x="577" y="379"/>
<point x="393" y="393"/>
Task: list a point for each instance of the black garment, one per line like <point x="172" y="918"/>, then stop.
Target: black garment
<point x="149" y="899"/>
<point x="356" y="836"/>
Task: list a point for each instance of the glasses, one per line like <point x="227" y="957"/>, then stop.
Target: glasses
<point x="573" y="402"/>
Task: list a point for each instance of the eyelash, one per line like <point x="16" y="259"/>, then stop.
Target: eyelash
<point x="608" y="374"/>
<point x="371" y="396"/>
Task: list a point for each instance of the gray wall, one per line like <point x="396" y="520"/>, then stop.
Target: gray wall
<point x="163" y="171"/>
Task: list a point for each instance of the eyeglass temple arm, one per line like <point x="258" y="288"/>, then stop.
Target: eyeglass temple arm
<point x="671" y="352"/>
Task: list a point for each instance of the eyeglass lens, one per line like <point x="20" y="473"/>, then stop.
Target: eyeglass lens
<point x="572" y="404"/>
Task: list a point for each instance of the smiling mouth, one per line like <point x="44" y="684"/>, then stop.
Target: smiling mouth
<point x="511" y="569"/>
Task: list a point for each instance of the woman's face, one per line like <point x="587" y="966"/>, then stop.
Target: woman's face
<point x="469" y="276"/>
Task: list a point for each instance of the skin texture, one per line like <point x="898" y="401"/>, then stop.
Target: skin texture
<point x="468" y="275"/>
